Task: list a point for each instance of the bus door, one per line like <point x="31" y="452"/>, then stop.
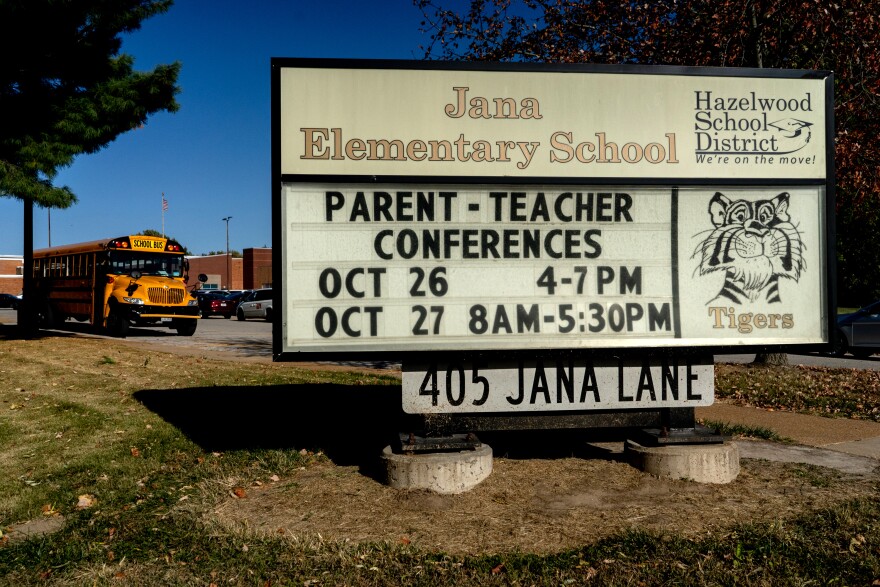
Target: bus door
<point x="102" y="266"/>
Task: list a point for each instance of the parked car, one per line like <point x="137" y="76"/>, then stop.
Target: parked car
<point x="9" y="301"/>
<point x="859" y="333"/>
<point x="213" y="303"/>
<point x="237" y="297"/>
<point x="256" y="305"/>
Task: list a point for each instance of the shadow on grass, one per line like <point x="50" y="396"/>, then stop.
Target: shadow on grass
<point x="351" y="424"/>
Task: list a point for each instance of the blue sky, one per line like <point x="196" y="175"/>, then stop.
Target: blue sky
<point x="212" y="158"/>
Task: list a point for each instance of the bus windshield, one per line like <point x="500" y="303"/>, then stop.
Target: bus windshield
<point x="160" y="264"/>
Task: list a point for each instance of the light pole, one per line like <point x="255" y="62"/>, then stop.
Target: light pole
<point x="228" y="271"/>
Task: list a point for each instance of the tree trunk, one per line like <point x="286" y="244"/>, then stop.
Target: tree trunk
<point x="27" y="309"/>
<point x="774" y="359"/>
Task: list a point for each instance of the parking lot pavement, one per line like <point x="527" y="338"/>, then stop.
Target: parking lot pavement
<point x="225" y="339"/>
<point x="252" y="340"/>
<point x="7" y="316"/>
<point x="228" y="339"/>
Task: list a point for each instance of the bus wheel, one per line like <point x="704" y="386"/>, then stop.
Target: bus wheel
<point x="117" y="325"/>
<point x="46" y="317"/>
<point x="186" y="327"/>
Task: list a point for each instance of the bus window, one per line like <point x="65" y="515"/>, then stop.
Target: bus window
<point x="147" y="263"/>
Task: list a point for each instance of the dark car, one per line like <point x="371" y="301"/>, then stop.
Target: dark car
<point x="859" y="333"/>
<point x="9" y="301"/>
<point x="236" y="297"/>
<point x="214" y="304"/>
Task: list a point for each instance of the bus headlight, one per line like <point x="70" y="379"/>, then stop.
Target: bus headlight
<point x="193" y="303"/>
<point x="135" y="301"/>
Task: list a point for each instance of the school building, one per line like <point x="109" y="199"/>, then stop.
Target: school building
<point x="253" y="270"/>
<point x="11" y="268"/>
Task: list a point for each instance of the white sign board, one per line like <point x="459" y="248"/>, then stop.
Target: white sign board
<point x="415" y="122"/>
<point x="451" y="208"/>
<point x="556" y="385"/>
<point x="541" y="267"/>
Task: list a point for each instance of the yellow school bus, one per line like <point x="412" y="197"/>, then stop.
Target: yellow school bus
<point x="114" y="284"/>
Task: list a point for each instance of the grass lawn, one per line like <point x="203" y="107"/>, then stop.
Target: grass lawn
<point x="822" y="391"/>
<point x="121" y="451"/>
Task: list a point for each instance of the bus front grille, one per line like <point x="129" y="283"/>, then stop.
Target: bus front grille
<point x="166" y="297"/>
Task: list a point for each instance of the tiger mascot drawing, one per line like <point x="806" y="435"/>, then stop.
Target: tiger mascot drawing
<point x="754" y="243"/>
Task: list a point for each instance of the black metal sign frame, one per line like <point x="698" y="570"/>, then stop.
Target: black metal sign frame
<point x="279" y="180"/>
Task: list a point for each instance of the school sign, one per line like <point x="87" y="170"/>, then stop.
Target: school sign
<point x="452" y="207"/>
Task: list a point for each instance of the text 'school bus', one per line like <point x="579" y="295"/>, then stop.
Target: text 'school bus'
<point x="117" y="283"/>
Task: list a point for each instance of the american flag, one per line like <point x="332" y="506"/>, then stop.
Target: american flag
<point x="164" y="203"/>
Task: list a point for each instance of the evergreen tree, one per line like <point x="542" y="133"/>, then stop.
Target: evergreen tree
<point x="65" y="88"/>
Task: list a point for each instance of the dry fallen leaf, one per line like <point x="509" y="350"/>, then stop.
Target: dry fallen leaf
<point x="239" y="492"/>
<point x="86" y="500"/>
<point x="135" y="452"/>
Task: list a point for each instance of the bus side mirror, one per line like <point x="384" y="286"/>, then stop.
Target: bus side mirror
<point x="203" y="278"/>
<point x="132" y="286"/>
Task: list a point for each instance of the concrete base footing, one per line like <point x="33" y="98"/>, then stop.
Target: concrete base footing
<point x="442" y="472"/>
<point x="703" y="463"/>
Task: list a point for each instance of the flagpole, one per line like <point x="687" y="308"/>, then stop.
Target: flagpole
<point x="163" y="214"/>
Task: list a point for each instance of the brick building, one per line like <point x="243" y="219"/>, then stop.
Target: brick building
<point x="215" y="267"/>
<point x="257" y="271"/>
<point x="252" y="270"/>
<point x="10" y="274"/>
